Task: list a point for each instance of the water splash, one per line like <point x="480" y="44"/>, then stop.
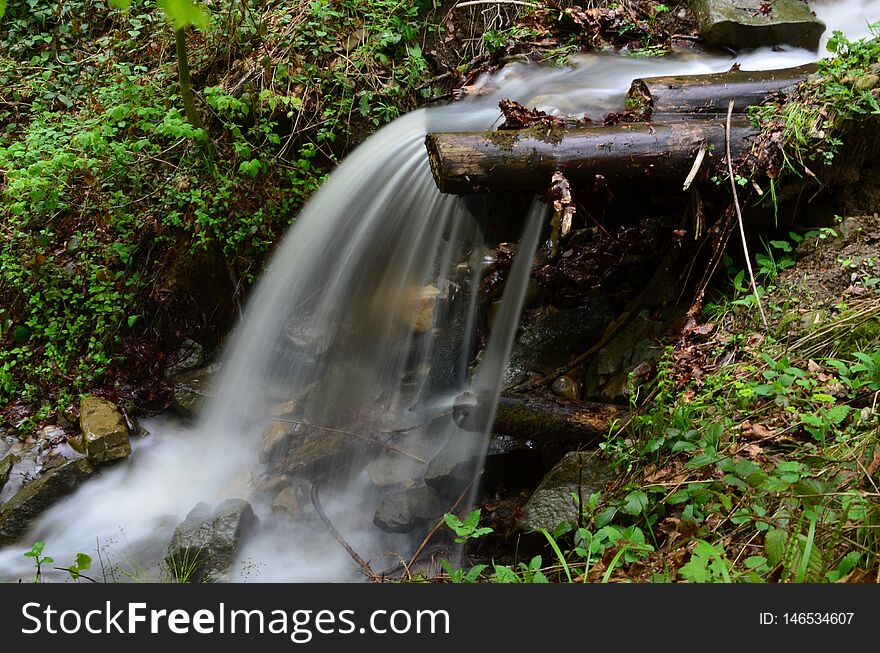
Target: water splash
<point x="359" y="333"/>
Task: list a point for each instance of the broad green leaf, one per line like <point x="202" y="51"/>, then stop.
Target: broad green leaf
<point x="119" y="4"/>
<point x="2" y="8"/>
<point x="185" y="12"/>
<point x="774" y="545"/>
<point x="504" y="575"/>
<point x="635" y="503"/>
<point x="82" y="561"/>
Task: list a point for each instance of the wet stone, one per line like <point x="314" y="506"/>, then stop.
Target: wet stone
<point x="579" y="473"/>
<point x="403" y="510"/>
<point x="205" y="544"/>
<point x="56" y="481"/>
<point x="755" y="24"/>
<point x="6" y="465"/>
<point x="103" y="432"/>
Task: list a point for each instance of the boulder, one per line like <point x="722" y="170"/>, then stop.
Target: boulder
<point x="403" y="510"/>
<point x="552" y="340"/>
<point x="579" y="473"/>
<point x="103" y="432"/>
<point x="755" y="24"/>
<point x="205" y="544"/>
<point x="275" y="442"/>
<point x="190" y="394"/>
<point x="325" y="452"/>
<point x="454" y="466"/>
<point x="5" y="468"/>
<point x="57" y="480"/>
<point x="189" y="356"/>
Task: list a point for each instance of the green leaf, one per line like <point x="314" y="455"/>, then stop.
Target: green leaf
<point x="185" y="12"/>
<point x="2" y="7"/>
<point x="504" y="575"/>
<point x="82" y="561"/>
<point x="119" y="4"/>
<point x="774" y="545"/>
<point x="635" y="503"/>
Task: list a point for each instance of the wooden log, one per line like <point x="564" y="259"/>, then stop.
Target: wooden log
<point x="711" y="94"/>
<point x="525" y="160"/>
<point x="544" y="418"/>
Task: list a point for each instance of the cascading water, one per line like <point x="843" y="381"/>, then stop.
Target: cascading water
<point x="354" y="348"/>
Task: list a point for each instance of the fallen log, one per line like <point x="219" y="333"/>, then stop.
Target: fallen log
<point x="543" y="419"/>
<point x="711" y="94"/>
<point x="525" y="160"/>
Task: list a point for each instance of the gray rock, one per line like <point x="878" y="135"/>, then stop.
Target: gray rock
<point x="455" y="465"/>
<point x="553" y="340"/>
<point x="743" y="23"/>
<point x="103" y="432"/>
<point x="325" y="452"/>
<point x="402" y="510"/>
<point x="56" y="481"/>
<point x="6" y="465"/>
<point x="275" y="442"/>
<point x="205" y="544"/>
<point x="189" y="356"/>
<point x="190" y="394"/>
<point x="579" y="473"/>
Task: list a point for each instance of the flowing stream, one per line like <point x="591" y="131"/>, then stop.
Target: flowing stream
<point x="357" y="343"/>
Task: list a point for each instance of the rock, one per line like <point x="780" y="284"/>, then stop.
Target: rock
<point x="320" y="454"/>
<point x="567" y="388"/>
<point x="189" y="356"/>
<point x="393" y="469"/>
<point x="6" y="465"/>
<point x="205" y="544"/>
<point x="579" y="473"/>
<point x="454" y="466"/>
<point x="747" y="23"/>
<point x="275" y="442"/>
<point x="552" y="340"/>
<point x="56" y="481"/>
<point x="402" y="510"/>
<point x="103" y="432"/>
<point x="190" y="394"/>
<point x="288" y="502"/>
<point x="636" y="343"/>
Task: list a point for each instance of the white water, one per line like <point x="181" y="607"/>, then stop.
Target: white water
<point x="375" y="233"/>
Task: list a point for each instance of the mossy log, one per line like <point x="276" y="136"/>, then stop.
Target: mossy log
<point x="711" y="94"/>
<point x="543" y="418"/>
<point x="525" y="160"/>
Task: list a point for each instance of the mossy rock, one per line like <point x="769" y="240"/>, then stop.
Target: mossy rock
<point x="55" y="482"/>
<point x="750" y="24"/>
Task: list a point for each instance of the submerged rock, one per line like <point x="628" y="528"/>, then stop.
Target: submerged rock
<point x="755" y="24"/>
<point x="205" y="544"/>
<point x="56" y="481"/>
<point x="103" y="432"/>
<point x="402" y="510"/>
<point x="579" y="473"/>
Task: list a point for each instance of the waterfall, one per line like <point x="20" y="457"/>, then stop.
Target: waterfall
<point x="360" y="337"/>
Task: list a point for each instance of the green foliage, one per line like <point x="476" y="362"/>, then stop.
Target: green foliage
<point x="841" y="92"/>
<point x="468" y="529"/>
<point x="81" y="563"/>
<point x="36" y="554"/>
